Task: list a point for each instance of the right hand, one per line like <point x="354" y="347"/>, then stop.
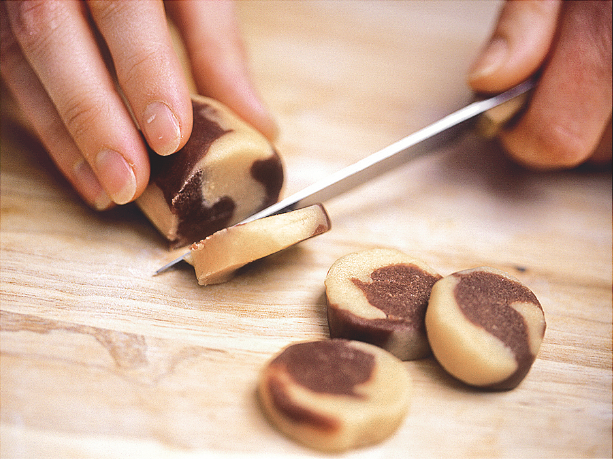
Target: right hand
<point x="568" y="121"/>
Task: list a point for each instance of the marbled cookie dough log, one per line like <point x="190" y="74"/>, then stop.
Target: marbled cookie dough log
<point x="225" y="172"/>
<point x="485" y="327"/>
<point x="380" y="296"/>
<point x="336" y="394"/>
<point x="217" y="257"/>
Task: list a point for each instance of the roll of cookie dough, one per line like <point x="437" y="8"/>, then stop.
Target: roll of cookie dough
<point x="335" y="395"/>
<point x="485" y="327"/>
<point x="226" y="172"/>
<point x="380" y="296"/>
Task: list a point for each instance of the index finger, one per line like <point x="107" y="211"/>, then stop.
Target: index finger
<point x="148" y="69"/>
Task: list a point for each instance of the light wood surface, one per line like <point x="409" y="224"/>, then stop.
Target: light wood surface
<point x="100" y="359"/>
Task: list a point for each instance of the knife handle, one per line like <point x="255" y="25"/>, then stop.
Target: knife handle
<point x="491" y="122"/>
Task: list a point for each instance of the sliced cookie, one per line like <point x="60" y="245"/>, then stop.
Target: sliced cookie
<point x="217" y="257"/>
<point x="336" y="394"/>
<point x="485" y="327"/>
<point x="380" y="296"/>
<point x="225" y="172"/>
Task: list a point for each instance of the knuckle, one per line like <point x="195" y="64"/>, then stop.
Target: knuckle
<point x="140" y="67"/>
<point x="141" y="59"/>
<point x="551" y="145"/>
<point x="559" y="147"/>
<point x="566" y="146"/>
<point x="590" y="24"/>
<point x="33" y="22"/>
<point x="9" y="48"/>
<point x="107" y="11"/>
<point x="602" y="41"/>
<point x="81" y="114"/>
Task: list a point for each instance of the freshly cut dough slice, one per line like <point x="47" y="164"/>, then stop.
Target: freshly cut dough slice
<point x="336" y="394"/>
<point x="217" y="257"/>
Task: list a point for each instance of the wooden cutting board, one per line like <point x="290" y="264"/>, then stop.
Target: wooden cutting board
<point x="99" y="359"/>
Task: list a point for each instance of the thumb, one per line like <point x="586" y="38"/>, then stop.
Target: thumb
<point x="517" y="48"/>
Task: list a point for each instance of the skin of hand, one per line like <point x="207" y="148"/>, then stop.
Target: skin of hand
<point x="568" y="119"/>
<point x="98" y="79"/>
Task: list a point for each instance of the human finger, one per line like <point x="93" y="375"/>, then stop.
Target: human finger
<point x="518" y="46"/>
<point x="60" y="46"/>
<point x="148" y="70"/>
<point x="35" y="103"/>
<point x="218" y="59"/>
<point x="602" y="153"/>
<point x="571" y="106"/>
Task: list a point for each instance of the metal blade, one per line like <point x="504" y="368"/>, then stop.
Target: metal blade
<point x="390" y="157"/>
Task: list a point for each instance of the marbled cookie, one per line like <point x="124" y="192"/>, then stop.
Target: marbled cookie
<point x="380" y="296"/>
<point x="336" y="394"/>
<point x="485" y="327"/>
<point x="225" y="172"/>
<point x="217" y="257"/>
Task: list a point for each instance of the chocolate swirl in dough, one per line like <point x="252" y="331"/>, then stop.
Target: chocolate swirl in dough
<point x="336" y="394"/>
<point x="225" y="172"/>
<point x="485" y="327"/>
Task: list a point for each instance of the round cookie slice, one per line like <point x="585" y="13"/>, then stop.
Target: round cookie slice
<point x="485" y="327"/>
<point x="334" y="395"/>
<point x="380" y="296"/>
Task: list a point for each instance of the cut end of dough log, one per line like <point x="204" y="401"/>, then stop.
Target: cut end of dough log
<point x="225" y="172"/>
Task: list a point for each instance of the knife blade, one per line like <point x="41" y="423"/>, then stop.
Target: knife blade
<point x="408" y="148"/>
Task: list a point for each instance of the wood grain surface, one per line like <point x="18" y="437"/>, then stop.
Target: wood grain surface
<point x="99" y="359"/>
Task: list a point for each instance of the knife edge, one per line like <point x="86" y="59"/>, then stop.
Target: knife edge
<point x="383" y="160"/>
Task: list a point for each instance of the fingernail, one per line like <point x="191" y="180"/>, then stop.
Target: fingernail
<point x="116" y="176"/>
<point x="89" y="186"/>
<point x="490" y="59"/>
<point x="161" y="128"/>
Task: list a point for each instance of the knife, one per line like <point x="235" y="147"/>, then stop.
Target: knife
<point x="410" y="147"/>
